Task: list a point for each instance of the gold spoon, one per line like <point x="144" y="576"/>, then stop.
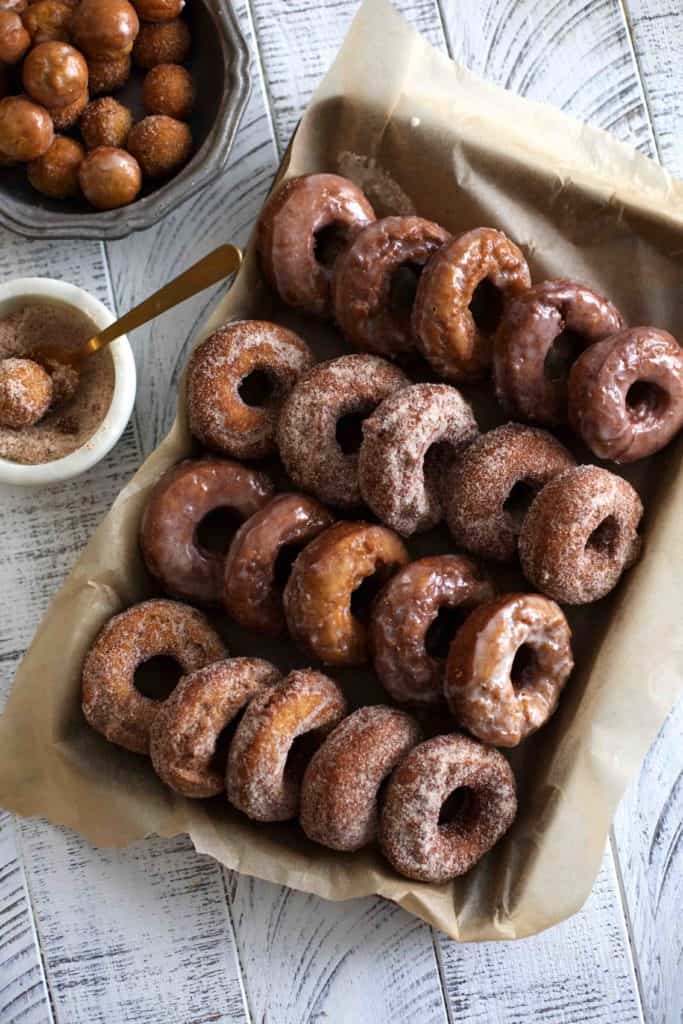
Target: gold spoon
<point x="212" y="268"/>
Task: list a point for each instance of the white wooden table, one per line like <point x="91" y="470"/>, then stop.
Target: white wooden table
<point x="160" y="934"/>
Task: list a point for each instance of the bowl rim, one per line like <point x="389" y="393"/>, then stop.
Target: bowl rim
<point x="207" y="164"/>
<point x="123" y="398"/>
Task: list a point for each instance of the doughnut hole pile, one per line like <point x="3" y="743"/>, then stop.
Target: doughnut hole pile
<point x="60" y="62"/>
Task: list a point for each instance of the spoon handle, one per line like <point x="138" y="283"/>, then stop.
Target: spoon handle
<point x="212" y="268"/>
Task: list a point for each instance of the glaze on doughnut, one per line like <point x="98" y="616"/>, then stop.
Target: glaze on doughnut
<point x="412" y="839"/>
<point x="492" y="483"/>
<point x="339" y="793"/>
<point x="539" y="335"/>
<point x="325" y="398"/>
<point x="234" y="355"/>
<point x="262" y="779"/>
<point x="185" y="733"/>
<point x="111" y="703"/>
<point x="626" y="394"/>
<point x="409" y="443"/>
<point x="318" y="599"/>
<point x="403" y="614"/>
<point x="252" y="589"/>
<point x="458" y="346"/>
<point x="580" y="534"/>
<point x="291" y="228"/>
<point x="507" y="667"/>
<point x="179" y="501"/>
<point x="370" y="316"/>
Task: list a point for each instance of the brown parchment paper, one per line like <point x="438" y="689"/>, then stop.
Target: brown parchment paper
<point x="418" y="132"/>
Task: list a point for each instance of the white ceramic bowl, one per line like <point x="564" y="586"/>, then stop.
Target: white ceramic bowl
<point x="123" y="399"/>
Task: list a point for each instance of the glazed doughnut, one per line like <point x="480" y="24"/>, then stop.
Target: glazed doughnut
<point x="47" y="20"/>
<point x="323" y="615"/>
<point x="409" y="443"/>
<point x="26" y="130"/>
<point x="159" y="10"/>
<point x="580" y="534"/>
<point x="186" y="731"/>
<point x="178" y="503"/>
<point x="295" y="223"/>
<point x="14" y="39"/>
<point x="626" y="394"/>
<point x="331" y="395"/>
<point x="492" y="483"/>
<point x="368" y="306"/>
<point x="457" y="341"/>
<point x="407" y="665"/>
<point x="55" y="173"/>
<point x="109" y="177"/>
<point x="105" y="29"/>
<point x="262" y="779"/>
<point x="25" y="393"/>
<point x="111" y="703"/>
<point x="413" y="840"/>
<point x="252" y="587"/>
<point x="541" y="332"/>
<point x="340" y="790"/>
<point x="507" y="667"/>
<point x="232" y="358"/>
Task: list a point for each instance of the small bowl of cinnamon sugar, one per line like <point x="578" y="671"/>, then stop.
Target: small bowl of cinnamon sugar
<point x="57" y="422"/>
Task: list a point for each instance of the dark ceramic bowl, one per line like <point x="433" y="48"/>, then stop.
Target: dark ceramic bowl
<point x="219" y="62"/>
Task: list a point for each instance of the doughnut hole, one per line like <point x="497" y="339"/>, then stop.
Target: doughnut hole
<point x="604" y="540"/>
<point x="329" y="243"/>
<point x="14" y="39"/>
<point x="525" y="670"/>
<point x="403" y="288"/>
<point x="518" y="501"/>
<point x="566" y="348"/>
<point x="458" y="809"/>
<point x="486" y="306"/>
<point x="157" y="677"/>
<point x="363" y="597"/>
<point x="258" y="388"/>
<point x="646" y="400"/>
<point x="169" y="89"/>
<point x="214" y="533"/>
<point x="25" y="393"/>
<point x="439" y="636"/>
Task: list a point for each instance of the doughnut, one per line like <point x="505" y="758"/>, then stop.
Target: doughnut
<point x="507" y="667"/>
<point x="26" y="130"/>
<point x="375" y="280"/>
<point x="169" y="89"/>
<point x="492" y="482"/>
<point x="165" y="42"/>
<point x="265" y="767"/>
<point x="105" y="29"/>
<point x="106" y="122"/>
<point x="185" y="737"/>
<point x="107" y="76"/>
<point x="160" y="144"/>
<point x="47" y="20"/>
<point x="626" y="394"/>
<point x="14" y="39"/>
<point x="455" y="313"/>
<point x="258" y="559"/>
<point x="55" y="74"/>
<point x="237" y="380"/>
<point x="340" y="789"/>
<point x="178" y="503"/>
<point x="331" y="585"/>
<point x="111" y="703"/>
<point x="580" y="534"/>
<point x="318" y="451"/>
<point x="413" y="840"/>
<point x="55" y="173"/>
<point x="302" y="230"/>
<point x="25" y="393"/>
<point x="64" y="118"/>
<point x="540" y="334"/>
<point x="409" y="443"/>
<point x="158" y="10"/>
<point x="406" y="633"/>
<point x="109" y="178"/>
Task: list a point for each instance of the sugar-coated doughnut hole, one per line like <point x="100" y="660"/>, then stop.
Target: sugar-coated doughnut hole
<point x="105" y="29"/>
<point x="65" y="118"/>
<point x="25" y="393"/>
<point x="55" y="74"/>
<point x="110" y="178"/>
<point x="160" y="144"/>
<point x="48" y="20"/>
<point x="169" y="89"/>
<point x="14" y="39"/>
<point x="108" y="76"/>
<point x="166" y="42"/>
<point x="55" y="173"/>
<point x="26" y="129"/>
<point x="159" y="10"/>
<point x="106" y="122"/>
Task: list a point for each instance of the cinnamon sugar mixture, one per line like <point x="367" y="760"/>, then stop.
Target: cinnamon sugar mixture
<point x="74" y="416"/>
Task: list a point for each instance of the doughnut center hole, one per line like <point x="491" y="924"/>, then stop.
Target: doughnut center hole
<point x="216" y="530"/>
<point x="603" y="540"/>
<point x="645" y="400"/>
<point x="364" y="595"/>
<point x="486" y="306"/>
<point x="403" y="288"/>
<point x="284" y="560"/>
<point x="525" y="668"/>
<point x="219" y="758"/>
<point x="349" y="432"/>
<point x="517" y="503"/>
<point x="329" y="243"/>
<point x="300" y="753"/>
<point x="442" y="630"/>
<point x="457" y="807"/>
<point x="566" y="348"/>
<point x="157" y="677"/>
<point x="437" y="459"/>
<point x="257" y="388"/>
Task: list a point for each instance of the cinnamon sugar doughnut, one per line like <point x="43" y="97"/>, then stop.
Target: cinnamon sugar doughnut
<point x="223" y="414"/>
<point x="179" y="501"/>
<point x="324" y="604"/>
<point x="507" y="667"/>
<point x="339" y="793"/>
<point x="407" y="666"/>
<point x="331" y="395"/>
<point x="301" y="231"/>
<point x="580" y="534"/>
<point x="456" y="338"/>
<point x="252" y="580"/>
<point x="492" y="483"/>
<point x="409" y="443"/>
<point x="111" y="703"/>
<point x="541" y="332"/>
<point x="412" y="839"/>
<point x="264" y="768"/>
<point x="188" y="727"/>
<point x="368" y="306"/>
<point x="626" y="394"/>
